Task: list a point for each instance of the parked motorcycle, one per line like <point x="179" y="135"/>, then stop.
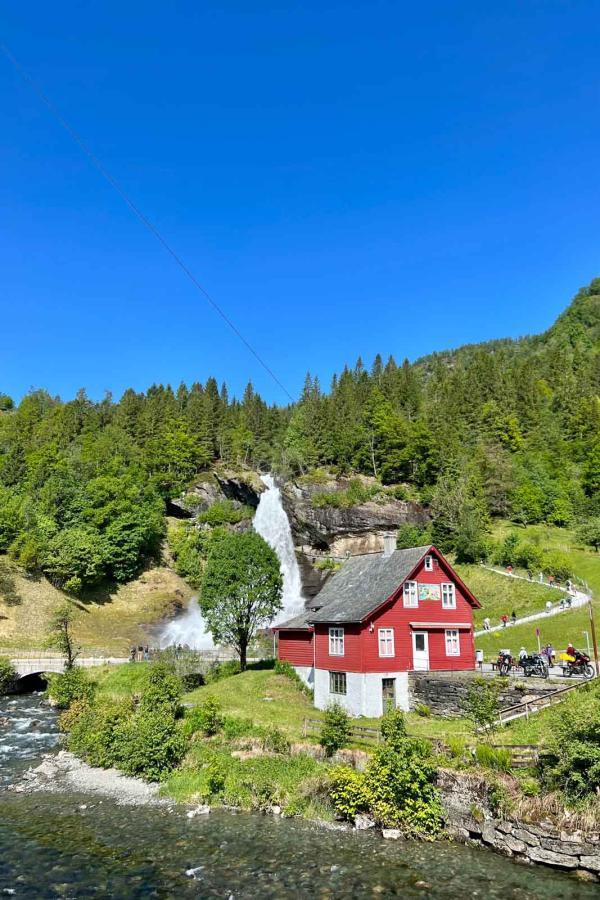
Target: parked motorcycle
<point x="577" y="665"/>
<point x="535" y="664"/>
<point x="504" y="663"/>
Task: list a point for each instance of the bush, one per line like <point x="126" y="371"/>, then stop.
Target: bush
<point x="335" y="730"/>
<point x="217" y="671"/>
<point x="481" y="704"/>
<point x="497" y="758"/>
<point x="275" y="741"/>
<point x="72" y="685"/>
<point x="93" y="731"/>
<point x="7" y="674"/>
<point x="572" y="761"/>
<point x="348" y="792"/>
<point x="160" y="687"/>
<point x="393" y="727"/>
<point x="225" y="512"/>
<point x="150" y="744"/>
<point x="205" y="718"/>
<point x="234" y="727"/>
<point x="423" y="710"/>
<point x="558" y="564"/>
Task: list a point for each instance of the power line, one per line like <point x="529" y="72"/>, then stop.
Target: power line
<point x="137" y="211"/>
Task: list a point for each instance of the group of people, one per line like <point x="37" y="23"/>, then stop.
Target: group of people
<point x="548" y="651"/>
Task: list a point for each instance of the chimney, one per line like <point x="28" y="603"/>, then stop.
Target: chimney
<point x="389" y="544"/>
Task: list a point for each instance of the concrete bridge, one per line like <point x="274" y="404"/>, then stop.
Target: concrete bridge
<point x="39" y="664"/>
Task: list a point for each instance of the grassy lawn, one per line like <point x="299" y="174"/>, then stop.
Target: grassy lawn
<point x="558" y="630"/>
<point x="499" y="595"/>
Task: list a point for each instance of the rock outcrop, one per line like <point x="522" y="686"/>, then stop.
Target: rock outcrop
<point x="242" y="489"/>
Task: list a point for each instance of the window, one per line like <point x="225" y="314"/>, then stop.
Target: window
<point x="411" y="597"/>
<point x="337" y="683"/>
<point x="336" y="642"/>
<point x="448" y="596"/>
<point x="429" y="563"/>
<point x="452" y="643"/>
<point x="386" y="641"/>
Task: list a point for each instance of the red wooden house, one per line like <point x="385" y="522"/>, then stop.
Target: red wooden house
<point x="380" y="617"/>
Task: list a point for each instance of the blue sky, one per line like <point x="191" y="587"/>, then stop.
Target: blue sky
<point x="345" y="178"/>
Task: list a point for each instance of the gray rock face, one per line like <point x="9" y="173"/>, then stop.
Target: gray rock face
<point x="212" y="488"/>
<point x="339" y="529"/>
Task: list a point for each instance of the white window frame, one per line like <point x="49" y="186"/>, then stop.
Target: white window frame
<point x="333" y="676"/>
<point x="448" y="595"/>
<point x="385" y="636"/>
<point x="452" y="639"/>
<point x="410" y="594"/>
<point x="429" y="563"/>
<point x="336" y="641"/>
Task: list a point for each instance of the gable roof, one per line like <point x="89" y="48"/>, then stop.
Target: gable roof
<point x="364" y="583"/>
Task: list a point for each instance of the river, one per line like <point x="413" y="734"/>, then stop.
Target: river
<point x="76" y="846"/>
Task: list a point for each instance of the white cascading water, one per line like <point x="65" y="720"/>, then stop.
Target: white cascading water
<point x="272" y="523"/>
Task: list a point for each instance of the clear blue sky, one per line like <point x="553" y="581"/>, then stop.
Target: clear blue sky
<point x="344" y="177"/>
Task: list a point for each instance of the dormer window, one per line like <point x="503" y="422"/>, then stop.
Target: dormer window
<point x="429" y="563"/>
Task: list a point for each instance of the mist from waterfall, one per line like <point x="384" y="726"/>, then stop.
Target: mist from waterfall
<point x="188" y="629"/>
<point x="272" y="523"/>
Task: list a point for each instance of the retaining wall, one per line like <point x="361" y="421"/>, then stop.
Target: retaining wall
<point x="445" y="692"/>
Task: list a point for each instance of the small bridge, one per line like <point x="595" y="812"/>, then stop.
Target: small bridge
<point x="39" y="663"/>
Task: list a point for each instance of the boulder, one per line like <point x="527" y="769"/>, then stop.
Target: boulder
<point x="362" y="822"/>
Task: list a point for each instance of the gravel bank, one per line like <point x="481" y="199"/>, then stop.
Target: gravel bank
<point x="64" y="771"/>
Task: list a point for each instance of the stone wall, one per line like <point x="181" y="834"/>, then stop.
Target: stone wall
<point x="445" y="692"/>
<point x="470" y="818"/>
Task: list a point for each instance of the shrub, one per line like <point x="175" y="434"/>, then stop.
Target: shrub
<point x="216" y="776"/>
<point x="412" y="536"/>
<point x="160" y="688"/>
<point x="275" y="741"/>
<point x="572" y="761"/>
<point x="225" y="512"/>
<point x="205" y="718"/>
<point x="422" y="709"/>
<point x="348" y="792"/>
<point x="456" y="747"/>
<point x="393" y="727"/>
<point x="217" y="671"/>
<point x="234" y="727"/>
<point x="558" y="564"/>
<point x="335" y="730"/>
<point x="149" y="743"/>
<point x="7" y="674"/>
<point x="72" y="685"/>
<point x="94" y="730"/>
<point x="497" y="758"/>
<point x="481" y="704"/>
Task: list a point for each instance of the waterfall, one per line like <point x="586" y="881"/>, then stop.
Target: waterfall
<point x="272" y="523"/>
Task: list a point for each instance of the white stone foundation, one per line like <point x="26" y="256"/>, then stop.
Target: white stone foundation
<point x="363" y="695"/>
<point x="307" y="674"/>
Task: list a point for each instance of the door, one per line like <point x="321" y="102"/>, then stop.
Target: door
<point x="388" y="693"/>
<point x="420" y="641"/>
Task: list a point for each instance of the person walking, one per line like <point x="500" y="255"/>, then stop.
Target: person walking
<point x="487" y="624"/>
<point x="504" y="620"/>
<point x="513" y="617"/>
<point x="548" y="606"/>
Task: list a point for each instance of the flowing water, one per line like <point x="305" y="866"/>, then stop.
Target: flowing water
<point x="271" y="522"/>
<point x="76" y="846"/>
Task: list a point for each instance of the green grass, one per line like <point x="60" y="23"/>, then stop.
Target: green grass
<point x="499" y="594"/>
<point x="118" y="681"/>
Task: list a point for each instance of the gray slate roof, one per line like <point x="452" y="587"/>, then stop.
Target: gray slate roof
<point x="362" y="584"/>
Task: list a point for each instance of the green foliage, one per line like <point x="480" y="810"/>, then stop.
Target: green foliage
<point x="572" y="759"/>
<point x="219" y="670"/>
<point x="275" y="741"/>
<point x="93" y="730"/>
<point x="241" y="589"/>
<point x="590" y="533"/>
<point x="423" y="710"/>
<point x="356" y="493"/>
<point x="557" y="564"/>
<point x="160" y="688"/>
<point x="497" y="758"/>
<point x="206" y="718"/>
<point x="225" y="513"/>
<point x="393" y="727"/>
<point x="349" y="792"/>
<point x="412" y="536"/>
<point x="149" y="744"/>
<point x="7" y="674"/>
<point x="60" y="634"/>
<point x="283" y="667"/>
<point x="481" y="705"/>
<point x="335" y="730"/>
<point x="71" y="685"/>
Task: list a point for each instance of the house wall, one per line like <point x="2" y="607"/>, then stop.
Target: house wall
<point x="296" y="647"/>
<point x="363" y="692"/>
<point x="361" y="644"/>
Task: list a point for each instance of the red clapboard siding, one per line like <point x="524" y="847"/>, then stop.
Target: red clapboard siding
<point x="351" y="660"/>
<point x="296" y="647"/>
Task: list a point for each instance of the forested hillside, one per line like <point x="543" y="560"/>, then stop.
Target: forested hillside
<point x="505" y="429"/>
